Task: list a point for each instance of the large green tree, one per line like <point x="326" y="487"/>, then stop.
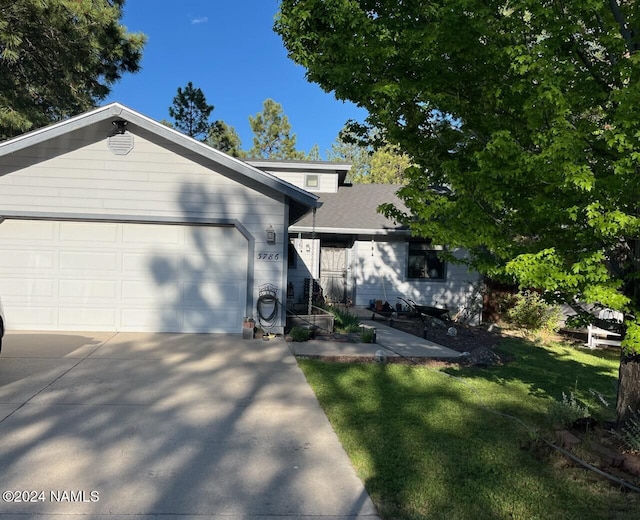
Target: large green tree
<point x="528" y="111"/>
<point x="191" y="112"/>
<point x="59" y="58"/>
<point x="272" y="137"/>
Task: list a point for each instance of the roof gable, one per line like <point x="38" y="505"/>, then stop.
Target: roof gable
<point x="240" y="171"/>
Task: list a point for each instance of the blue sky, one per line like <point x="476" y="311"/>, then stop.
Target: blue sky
<point x="229" y="50"/>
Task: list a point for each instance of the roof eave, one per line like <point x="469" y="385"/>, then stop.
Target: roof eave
<point x="41" y="135"/>
<point x="349" y="231"/>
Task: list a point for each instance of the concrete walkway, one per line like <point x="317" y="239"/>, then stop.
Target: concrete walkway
<point x="392" y="341"/>
<point x="141" y="426"/>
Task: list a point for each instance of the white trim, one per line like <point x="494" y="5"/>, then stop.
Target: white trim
<point x="350" y="231"/>
<point x="319" y="166"/>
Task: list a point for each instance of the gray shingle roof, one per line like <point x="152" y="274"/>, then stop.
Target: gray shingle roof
<point x="354" y="209"/>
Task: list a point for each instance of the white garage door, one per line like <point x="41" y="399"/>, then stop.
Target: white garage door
<point x="121" y="276"/>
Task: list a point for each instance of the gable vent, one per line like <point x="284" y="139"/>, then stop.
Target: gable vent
<point x="121" y="144"/>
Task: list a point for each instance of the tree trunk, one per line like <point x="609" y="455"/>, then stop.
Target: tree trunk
<point x="628" y="387"/>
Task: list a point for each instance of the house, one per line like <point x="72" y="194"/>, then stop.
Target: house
<point x="112" y="221"/>
<point x="358" y="255"/>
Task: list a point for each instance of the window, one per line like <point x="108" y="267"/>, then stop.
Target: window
<point x="423" y="263"/>
<point x="311" y="181"/>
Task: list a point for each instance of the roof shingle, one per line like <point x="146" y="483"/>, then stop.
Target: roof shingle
<point x="355" y="208"/>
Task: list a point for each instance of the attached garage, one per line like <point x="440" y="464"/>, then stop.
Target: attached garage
<point x="167" y="236"/>
<point x="70" y="275"/>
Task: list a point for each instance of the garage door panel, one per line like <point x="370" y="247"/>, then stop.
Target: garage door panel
<point x="88" y="289"/>
<point x="137" y="234"/>
<point x="21" y="230"/>
<point x="152" y="262"/>
<point x="25" y="317"/>
<point x="79" y="232"/>
<point x="17" y="258"/>
<point x="143" y="290"/>
<point x="216" y="295"/>
<point x="122" y="276"/>
<point x="87" y="261"/>
<point x="23" y="287"/>
<point x="87" y="318"/>
<point x="152" y="317"/>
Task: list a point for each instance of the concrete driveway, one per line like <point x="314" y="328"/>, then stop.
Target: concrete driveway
<point x="166" y="425"/>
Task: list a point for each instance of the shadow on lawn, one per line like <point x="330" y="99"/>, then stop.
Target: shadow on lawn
<point x="548" y="372"/>
<point x="426" y="447"/>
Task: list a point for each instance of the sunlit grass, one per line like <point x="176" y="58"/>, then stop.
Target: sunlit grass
<point x="425" y="445"/>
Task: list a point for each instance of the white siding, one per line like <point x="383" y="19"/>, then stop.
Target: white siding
<point x="77" y="175"/>
<point x="380" y="274"/>
<point x="327" y="182"/>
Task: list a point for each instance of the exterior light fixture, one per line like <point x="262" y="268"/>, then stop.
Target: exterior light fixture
<point x="121" y="126"/>
<point x="271" y="235"/>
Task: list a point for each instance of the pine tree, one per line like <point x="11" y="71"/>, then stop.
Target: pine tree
<point x="59" y="58"/>
<point x="191" y="112"/>
<point x="272" y="134"/>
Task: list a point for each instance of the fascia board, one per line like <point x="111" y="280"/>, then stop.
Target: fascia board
<point x="300" y="165"/>
<point x="348" y="231"/>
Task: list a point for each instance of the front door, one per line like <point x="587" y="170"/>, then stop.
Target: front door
<point x="333" y="274"/>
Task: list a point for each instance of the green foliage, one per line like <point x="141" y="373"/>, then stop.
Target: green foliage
<point x="224" y="138"/>
<point x="384" y="164"/>
<point x="272" y="137"/>
<point x="344" y="321"/>
<point x="531" y="313"/>
<point x="528" y="112"/>
<point x="367" y="335"/>
<point x="345" y="149"/>
<point x="191" y="112"/>
<point x="298" y="333"/>
<point x="629" y="434"/>
<point x="632" y="336"/>
<point x="388" y="165"/>
<point x="567" y="411"/>
<point x="59" y="58"/>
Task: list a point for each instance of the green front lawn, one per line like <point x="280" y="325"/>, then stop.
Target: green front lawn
<point x="426" y="447"/>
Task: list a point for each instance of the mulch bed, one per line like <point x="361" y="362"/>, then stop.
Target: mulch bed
<point x="466" y="339"/>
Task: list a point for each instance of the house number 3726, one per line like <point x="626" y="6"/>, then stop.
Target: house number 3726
<point x="269" y="257"/>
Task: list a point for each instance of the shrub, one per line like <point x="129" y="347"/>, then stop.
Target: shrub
<point x="367" y="335"/>
<point x="298" y="333"/>
<point x="344" y="321"/>
<point x="532" y="314"/>
<point x="567" y="411"/>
